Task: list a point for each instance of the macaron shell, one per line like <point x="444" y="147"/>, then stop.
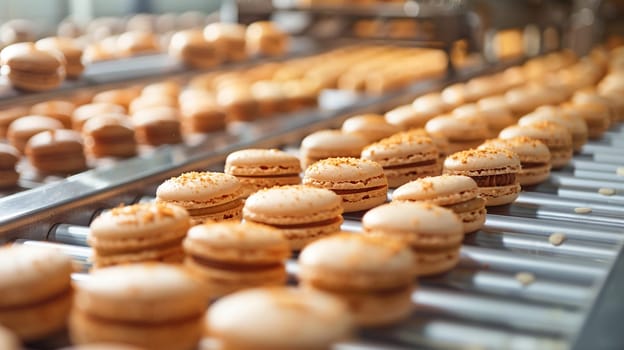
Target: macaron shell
<point x="434" y="263"/>
<point x="344" y="174"/>
<point x="373" y="310"/>
<point x="482" y="162"/>
<point x="439" y="190"/>
<point x="183" y="335"/>
<point x="26" y="321"/>
<point x="401" y="149"/>
<point x="499" y="195"/>
<point x="533" y="175"/>
<point x="473" y="220"/>
<point x="529" y="150"/>
<point x="199" y="190"/>
<point x="406" y="117"/>
<point x="261" y="162"/>
<point x="251" y="185"/>
<point x="373" y="127"/>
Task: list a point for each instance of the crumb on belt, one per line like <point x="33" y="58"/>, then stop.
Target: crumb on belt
<point x="582" y="210"/>
<point x="525" y="278"/>
<point x="606" y="191"/>
<point x="557" y="238"/>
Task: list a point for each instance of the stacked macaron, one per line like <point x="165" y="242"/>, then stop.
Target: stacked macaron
<point x="301" y="213"/>
<point x="138" y="233"/>
<point x="35" y="284"/>
<point x="494" y="170"/>
<point x="229" y="256"/>
<point x="372" y="275"/>
<point x="205" y="195"/>
<point x="257" y="169"/>
<point x="456" y="192"/>
<point x="404" y="157"/>
<point x="433" y="233"/>
<point x="360" y="183"/>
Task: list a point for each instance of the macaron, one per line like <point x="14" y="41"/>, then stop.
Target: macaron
<point x="149" y="101"/>
<point x="556" y="137"/>
<point x="523" y="100"/>
<point x="494" y="170"/>
<point x="157" y="126"/>
<point x="372" y="275"/>
<point x="31" y="69"/>
<point x="135" y="42"/>
<point x="279" y="318"/>
<point x="455" y="192"/>
<point x="152" y="306"/>
<point x="9" y="157"/>
<point x="266" y="39"/>
<point x="565" y="117"/>
<point x="57" y="151"/>
<point x="596" y="117"/>
<point x="238" y="102"/>
<point x="461" y="132"/>
<point x="109" y="135"/>
<point x="361" y="183"/>
<point x="202" y="116"/>
<point x="497" y="114"/>
<point x="439" y="141"/>
<point x="71" y="52"/>
<point x="190" y="47"/>
<point x="138" y="233"/>
<point x="84" y="112"/>
<point x="22" y="129"/>
<point x="433" y="233"/>
<point x="483" y="86"/>
<point x="533" y="154"/>
<point x="301" y="213"/>
<point x="406" y="117"/>
<point x="373" y="127"/>
<point x="231" y="256"/>
<point x="205" y="195"/>
<point x="257" y="169"/>
<point x="454" y="95"/>
<point x="9" y="115"/>
<point x="35" y="284"/>
<point x="57" y="109"/>
<point x="404" y="157"/>
<point x="329" y="144"/>
<point x="229" y="38"/>
<point x="122" y="97"/>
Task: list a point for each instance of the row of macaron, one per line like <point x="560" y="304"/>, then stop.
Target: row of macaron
<point x="45" y="64"/>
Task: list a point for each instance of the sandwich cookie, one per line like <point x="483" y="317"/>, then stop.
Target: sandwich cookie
<point x="556" y="137"/>
<point x="270" y="97"/>
<point x="373" y="127"/>
<point x="361" y="183"/>
<point x="461" y="132"/>
<point x="152" y="306"/>
<point x="266" y="39"/>
<point x="455" y="192"/>
<point x="433" y="233"/>
<point x="494" y="170"/>
<point x="238" y="102"/>
<point x="57" y="109"/>
<point x="372" y="275"/>
<point x="31" y="69"/>
<point x="454" y="95"/>
<point x="9" y="157"/>
<point x="84" y="112"/>
<point x="22" y="129"/>
<point x="201" y="116"/>
<point x="575" y="124"/>
<point x="70" y="50"/>
<point x="136" y="42"/>
<point x="533" y="154"/>
<point x="524" y="100"/>
<point x="205" y="195"/>
<point x="257" y="169"/>
<point x="230" y="256"/>
<point x="157" y="126"/>
<point x="229" y="39"/>
<point x="406" y="117"/>
<point x="497" y="114"/>
<point x="190" y="47"/>
<point x="404" y="157"/>
<point x="121" y="97"/>
<point x="330" y="144"/>
<point x="138" y="233"/>
<point x="57" y="151"/>
<point x="596" y="117"/>
<point x="278" y="318"/>
<point x="109" y="135"/>
<point x="301" y="213"/>
<point x="439" y="141"/>
<point x="36" y="291"/>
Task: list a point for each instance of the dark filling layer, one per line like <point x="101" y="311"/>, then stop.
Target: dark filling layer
<point x="361" y="190"/>
<point x="310" y="224"/>
<point x="220" y="265"/>
<point x="495" y="180"/>
<point x="411" y="165"/>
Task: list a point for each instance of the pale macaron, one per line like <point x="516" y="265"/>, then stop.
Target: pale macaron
<point x="372" y="275"/>
<point x="279" y="318"/>
<point x="257" y="169"/>
<point x="494" y="170"/>
<point x="556" y="137"/>
<point x="533" y="154"/>
<point x="35" y="284"/>
<point x="230" y="256"/>
<point x="406" y="117"/>
<point x="57" y="152"/>
<point x="84" y="112"/>
<point x="433" y="233"/>
<point x="461" y="132"/>
<point x="595" y="115"/>
<point x="139" y="233"/>
<point x="57" y="109"/>
<point x="373" y="127"/>
<point x="329" y="144"/>
<point x="565" y="117"/>
<point x="23" y="128"/>
<point x="361" y="183"/>
<point x="404" y="157"/>
<point x="205" y="195"/>
<point x="109" y="135"/>
<point x="152" y="306"/>
<point x="301" y="213"/>
<point x="456" y="192"/>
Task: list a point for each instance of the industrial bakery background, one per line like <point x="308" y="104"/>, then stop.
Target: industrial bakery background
<point x="460" y="164"/>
